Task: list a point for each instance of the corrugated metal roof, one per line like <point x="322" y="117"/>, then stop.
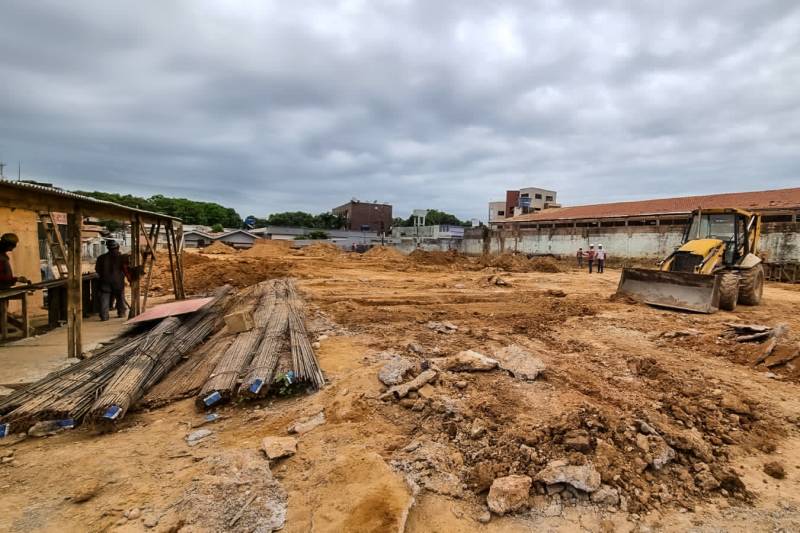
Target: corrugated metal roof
<point x="774" y="199"/>
<point x="54" y="191"/>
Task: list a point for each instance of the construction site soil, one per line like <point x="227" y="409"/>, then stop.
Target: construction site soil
<point x="666" y="407"/>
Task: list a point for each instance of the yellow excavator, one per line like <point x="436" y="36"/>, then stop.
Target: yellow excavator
<point x="715" y="267"/>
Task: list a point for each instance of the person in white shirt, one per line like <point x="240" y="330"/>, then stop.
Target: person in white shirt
<point x="600" y="257"/>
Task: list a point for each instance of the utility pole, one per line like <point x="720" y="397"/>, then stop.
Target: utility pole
<point x="2" y="166"/>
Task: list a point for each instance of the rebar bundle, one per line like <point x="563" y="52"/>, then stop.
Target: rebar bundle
<point x="189" y="376"/>
<point x="66" y="394"/>
<point x="222" y="383"/>
<point x="160" y="350"/>
<point x="304" y="361"/>
<point x="261" y="372"/>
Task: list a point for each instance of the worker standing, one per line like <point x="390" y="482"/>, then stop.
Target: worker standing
<point x="590" y="257"/>
<point x="600" y="257"/>
<point x="110" y="269"/>
<point x="7" y="278"/>
<point x="579" y="257"/>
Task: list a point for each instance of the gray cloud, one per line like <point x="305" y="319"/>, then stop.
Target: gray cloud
<point x="268" y="106"/>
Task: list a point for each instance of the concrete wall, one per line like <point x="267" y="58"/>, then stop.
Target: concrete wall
<point x="780" y="242"/>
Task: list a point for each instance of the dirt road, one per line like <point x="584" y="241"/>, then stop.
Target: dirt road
<point x="612" y="369"/>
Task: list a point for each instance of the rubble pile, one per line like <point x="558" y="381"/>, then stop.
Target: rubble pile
<point x="476" y="441"/>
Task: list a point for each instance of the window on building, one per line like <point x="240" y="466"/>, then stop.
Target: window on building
<point x="537" y="196"/>
<point x="548" y="198"/>
<point x="501" y="213"/>
<point x="524" y="195"/>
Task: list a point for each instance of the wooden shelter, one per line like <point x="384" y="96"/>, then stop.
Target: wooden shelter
<point x="48" y="200"/>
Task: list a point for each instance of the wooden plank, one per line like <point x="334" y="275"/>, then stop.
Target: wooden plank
<point x="3" y="319"/>
<point x="74" y="285"/>
<point x="135" y="258"/>
<point x="59" y="239"/>
<point x="151" y="258"/>
<point x="26" y="317"/>
<point x="167" y="228"/>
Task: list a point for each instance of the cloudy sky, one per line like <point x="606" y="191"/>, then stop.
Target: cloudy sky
<point x="270" y="106"/>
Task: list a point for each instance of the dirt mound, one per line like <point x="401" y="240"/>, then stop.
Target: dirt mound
<point x="436" y="258"/>
<point x="267" y="248"/>
<point x="322" y="249"/>
<point x="386" y="253"/>
<point x="520" y="263"/>
<point x="202" y="273"/>
<point x="218" y="247"/>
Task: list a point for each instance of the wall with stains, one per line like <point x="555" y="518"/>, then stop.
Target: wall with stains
<point x="780" y="242"/>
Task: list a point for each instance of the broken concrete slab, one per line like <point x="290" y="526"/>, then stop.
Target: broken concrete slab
<point x="395" y="370"/>
<point x="583" y="477"/>
<point x="278" y="447"/>
<point x="304" y="425"/>
<point x="442" y="327"/>
<point x="466" y="361"/>
<point x="606" y="495"/>
<point x="401" y="391"/>
<point x="509" y="494"/>
<point x="519" y="362"/>
<point x="194" y="438"/>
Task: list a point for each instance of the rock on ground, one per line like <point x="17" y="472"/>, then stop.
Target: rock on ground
<point x="606" y="495"/>
<point x="521" y="363"/>
<point x="395" y="370"/>
<point x="466" y="361"/>
<point x="277" y="447"/>
<point x="584" y="477"/>
<point x="195" y="437"/>
<point x="304" y="425"/>
<point x="509" y="494"/>
<point x="775" y="469"/>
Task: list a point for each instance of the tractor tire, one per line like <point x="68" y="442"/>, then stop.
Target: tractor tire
<point x="728" y="291"/>
<point x="751" y="285"/>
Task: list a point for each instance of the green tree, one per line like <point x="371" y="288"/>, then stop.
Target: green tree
<point x="217" y="228"/>
<point x="305" y="220"/>
<point x="190" y="211"/>
<point x="436" y="217"/>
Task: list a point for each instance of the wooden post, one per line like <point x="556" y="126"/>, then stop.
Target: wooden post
<point x="4" y="319"/>
<point x="177" y="245"/>
<point x="167" y="229"/>
<point x="26" y="316"/>
<point x="74" y="292"/>
<point x="152" y="242"/>
<point x="135" y="259"/>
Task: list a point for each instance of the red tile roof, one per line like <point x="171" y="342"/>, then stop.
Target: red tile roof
<point x="775" y="199"/>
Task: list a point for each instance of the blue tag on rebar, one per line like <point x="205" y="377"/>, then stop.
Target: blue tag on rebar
<point x="5" y="429"/>
<point x="256" y="386"/>
<point x="112" y="412"/>
<point x="66" y="423"/>
<point x="212" y="398"/>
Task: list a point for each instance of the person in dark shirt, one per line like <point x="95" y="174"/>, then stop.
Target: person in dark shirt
<point x="7" y="278"/>
<point x="110" y="269"/>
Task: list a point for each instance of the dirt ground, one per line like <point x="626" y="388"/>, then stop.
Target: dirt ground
<point x="426" y="464"/>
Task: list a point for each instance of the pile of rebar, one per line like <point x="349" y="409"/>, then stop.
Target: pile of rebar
<point x="167" y="361"/>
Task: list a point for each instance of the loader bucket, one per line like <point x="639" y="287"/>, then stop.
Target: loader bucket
<point x="676" y="290"/>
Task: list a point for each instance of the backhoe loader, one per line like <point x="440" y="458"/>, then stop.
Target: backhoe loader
<point x="715" y="267"/>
